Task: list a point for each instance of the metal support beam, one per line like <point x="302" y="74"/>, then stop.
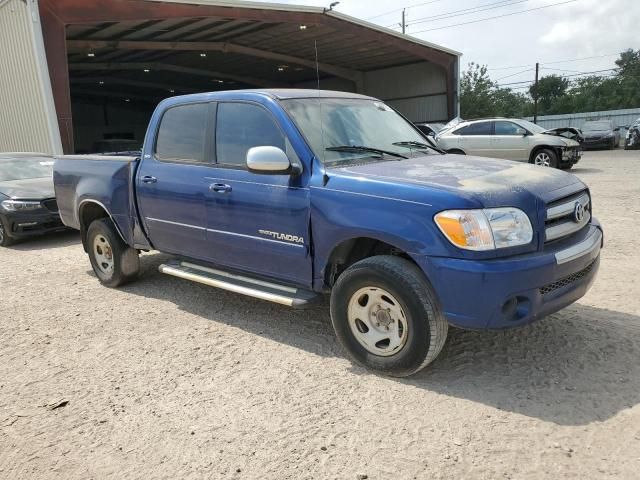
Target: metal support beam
<point x="225" y="47"/>
<point x="53" y="31"/>
<point x="133" y="83"/>
<point x="167" y="67"/>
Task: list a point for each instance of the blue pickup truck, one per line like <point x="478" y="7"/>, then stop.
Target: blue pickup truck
<point x="287" y="195"/>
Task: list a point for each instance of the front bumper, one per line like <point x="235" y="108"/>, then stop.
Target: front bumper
<point x="507" y="293"/>
<point x="28" y="224"/>
<point x="571" y="155"/>
<point x="604" y="142"/>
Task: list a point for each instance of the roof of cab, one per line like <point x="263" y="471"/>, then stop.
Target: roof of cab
<point x="278" y="93"/>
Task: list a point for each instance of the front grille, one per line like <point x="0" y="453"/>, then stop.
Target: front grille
<point x="50" y="205"/>
<point x="561" y="218"/>
<point x="566" y="281"/>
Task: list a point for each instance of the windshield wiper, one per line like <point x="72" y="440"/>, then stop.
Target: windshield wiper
<point x="418" y="145"/>
<point x="363" y="149"/>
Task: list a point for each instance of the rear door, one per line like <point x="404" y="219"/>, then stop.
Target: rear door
<point x="172" y="183"/>
<point x="509" y="141"/>
<point x="256" y="222"/>
<point x="475" y="139"/>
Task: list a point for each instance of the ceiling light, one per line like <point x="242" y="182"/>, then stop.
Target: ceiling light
<point x="101" y="82"/>
<point x="280" y="69"/>
<point x="203" y="54"/>
<point x="127" y="99"/>
<point x="146" y="70"/>
<point x="172" y="91"/>
<point x="303" y="27"/>
<point x="91" y="54"/>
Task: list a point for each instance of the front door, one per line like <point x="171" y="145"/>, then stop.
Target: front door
<point x="256" y="222"/>
<point x="172" y="185"/>
<point x="510" y="141"/>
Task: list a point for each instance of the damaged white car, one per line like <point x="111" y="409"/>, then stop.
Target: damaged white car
<point x="513" y="139"/>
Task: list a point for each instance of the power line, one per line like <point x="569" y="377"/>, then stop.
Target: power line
<point x="401" y="8"/>
<point x="572" y="81"/>
<point x="468" y="11"/>
<point x="557" y="61"/>
<point x="514" y="74"/>
<point x="495" y="17"/>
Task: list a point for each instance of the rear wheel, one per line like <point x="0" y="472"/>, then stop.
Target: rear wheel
<point x="545" y="158"/>
<point x="386" y="316"/>
<point x="5" y="239"/>
<point x="113" y="261"/>
<point x="566" y="166"/>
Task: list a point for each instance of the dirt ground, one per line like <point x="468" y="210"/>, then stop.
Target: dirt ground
<point x="169" y="379"/>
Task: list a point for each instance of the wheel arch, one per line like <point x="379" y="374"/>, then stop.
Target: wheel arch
<point x="89" y="211"/>
<point x="349" y="251"/>
<point x="557" y="150"/>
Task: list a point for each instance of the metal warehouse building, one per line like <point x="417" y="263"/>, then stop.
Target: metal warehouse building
<point x="76" y="72"/>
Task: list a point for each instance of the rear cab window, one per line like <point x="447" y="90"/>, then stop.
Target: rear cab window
<point x="182" y="135"/>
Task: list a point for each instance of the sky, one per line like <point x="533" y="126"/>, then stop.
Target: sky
<point x="552" y="32"/>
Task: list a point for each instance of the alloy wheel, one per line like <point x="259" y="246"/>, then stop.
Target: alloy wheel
<point x="543" y="159"/>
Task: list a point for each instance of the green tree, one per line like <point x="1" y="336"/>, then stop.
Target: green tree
<point x="482" y="97"/>
<point x="550" y="90"/>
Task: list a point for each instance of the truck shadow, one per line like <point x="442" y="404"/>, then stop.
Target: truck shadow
<point x="576" y="367"/>
<point x="47" y="242"/>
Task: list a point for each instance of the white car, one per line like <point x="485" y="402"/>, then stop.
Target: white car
<point x="513" y="139"/>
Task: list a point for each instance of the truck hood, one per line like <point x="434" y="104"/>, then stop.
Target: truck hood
<point x="30" y="189"/>
<point x="491" y="181"/>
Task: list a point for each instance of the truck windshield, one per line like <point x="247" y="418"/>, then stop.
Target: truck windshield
<point x="332" y="125"/>
<point x="24" y="169"/>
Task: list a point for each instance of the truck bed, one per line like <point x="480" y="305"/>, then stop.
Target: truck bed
<point x="107" y="181"/>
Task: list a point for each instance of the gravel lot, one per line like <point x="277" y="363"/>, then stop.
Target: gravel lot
<point x="169" y="379"/>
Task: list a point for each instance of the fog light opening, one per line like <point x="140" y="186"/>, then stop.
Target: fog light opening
<point x="516" y="308"/>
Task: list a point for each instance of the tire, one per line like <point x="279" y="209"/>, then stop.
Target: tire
<point x="393" y="284"/>
<point x="545" y="157"/>
<point x="5" y="239"/>
<point x="566" y="166"/>
<point x="113" y="261"/>
<point x="613" y="145"/>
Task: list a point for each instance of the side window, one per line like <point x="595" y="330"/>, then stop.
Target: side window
<point x="480" y="128"/>
<point x="508" y="128"/>
<point x="241" y="126"/>
<point x="182" y="134"/>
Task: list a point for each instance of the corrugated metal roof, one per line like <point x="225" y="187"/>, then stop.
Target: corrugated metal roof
<point x="317" y="10"/>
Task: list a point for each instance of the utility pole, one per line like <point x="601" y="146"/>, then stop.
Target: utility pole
<point x="404" y="22"/>
<point x="535" y="96"/>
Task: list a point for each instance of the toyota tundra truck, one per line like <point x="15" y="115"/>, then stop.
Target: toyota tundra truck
<point x="289" y="195"/>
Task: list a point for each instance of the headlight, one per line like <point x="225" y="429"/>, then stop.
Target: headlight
<point x="20" y="205"/>
<point x="486" y="229"/>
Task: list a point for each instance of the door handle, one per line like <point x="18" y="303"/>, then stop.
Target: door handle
<point x="220" y="187"/>
<point x="149" y="179"/>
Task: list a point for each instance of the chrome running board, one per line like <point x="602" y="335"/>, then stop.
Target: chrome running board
<point x="252" y="287"/>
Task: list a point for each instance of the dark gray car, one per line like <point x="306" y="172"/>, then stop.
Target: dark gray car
<point x="27" y="201"/>
<point x="600" y="134"/>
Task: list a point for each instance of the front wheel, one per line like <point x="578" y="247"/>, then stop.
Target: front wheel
<point x="386" y="316"/>
<point x="545" y="158"/>
<point x="5" y="239"/>
<point x="113" y="261"/>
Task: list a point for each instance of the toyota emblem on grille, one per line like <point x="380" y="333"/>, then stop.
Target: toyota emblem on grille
<point x="578" y="212"/>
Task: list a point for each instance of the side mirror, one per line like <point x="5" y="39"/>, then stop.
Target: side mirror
<point x="269" y="160"/>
